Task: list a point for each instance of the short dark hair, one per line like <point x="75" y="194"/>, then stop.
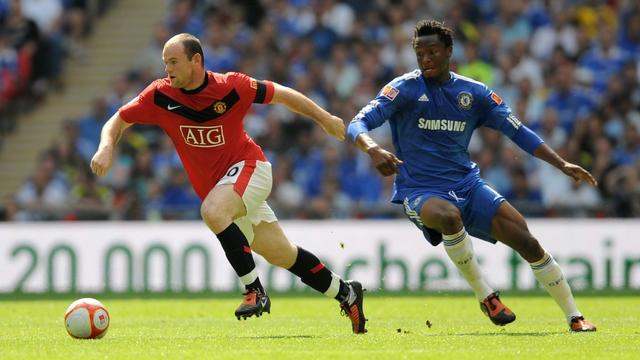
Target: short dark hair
<point x="433" y="27"/>
<point x="191" y="45"/>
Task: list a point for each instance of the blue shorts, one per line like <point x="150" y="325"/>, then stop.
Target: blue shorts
<point x="477" y="204"/>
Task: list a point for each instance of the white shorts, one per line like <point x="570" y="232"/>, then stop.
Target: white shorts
<point x="251" y="180"/>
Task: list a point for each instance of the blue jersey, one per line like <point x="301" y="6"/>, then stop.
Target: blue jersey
<point x="431" y="125"/>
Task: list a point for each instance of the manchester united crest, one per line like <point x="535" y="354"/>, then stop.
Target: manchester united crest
<point x="220" y="107"/>
<point x="465" y="100"/>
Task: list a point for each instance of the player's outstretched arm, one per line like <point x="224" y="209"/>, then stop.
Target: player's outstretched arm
<point x="300" y="104"/>
<point x="578" y="174"/>
<point x="385" y="162"/>
<point x="109" y="136"/>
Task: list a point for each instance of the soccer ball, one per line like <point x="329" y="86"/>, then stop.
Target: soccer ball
<point x="86" y="318"/>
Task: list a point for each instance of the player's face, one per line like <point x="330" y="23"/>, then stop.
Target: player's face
<point x="433" y="57"/>
<point x="178" y="67"/>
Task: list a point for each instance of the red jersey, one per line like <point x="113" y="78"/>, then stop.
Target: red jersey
<point x="205" y="124"/>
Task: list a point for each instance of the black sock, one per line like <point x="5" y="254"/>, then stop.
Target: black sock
<point x="313" y="273"/>
<point x="236" y="248"/>
<point x="256" y="285"/>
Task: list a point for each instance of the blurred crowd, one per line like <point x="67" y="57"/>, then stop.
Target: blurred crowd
<point x="569" y="69"/>
<point x="36" y="36"/>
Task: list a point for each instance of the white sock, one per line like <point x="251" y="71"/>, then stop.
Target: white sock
<point x="460" y="251"/>
<point x="334" y="287"/>
<point x="249" y="278"/>
<point x="549" y="274"/>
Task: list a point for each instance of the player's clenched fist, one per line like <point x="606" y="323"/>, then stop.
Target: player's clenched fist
<point x="385" y="162"/>
<point x="101" y="161"/>
<point x="334" y="126"/>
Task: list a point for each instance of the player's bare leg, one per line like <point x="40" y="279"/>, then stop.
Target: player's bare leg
<point x="445" y="218"/>
<point x="271" y="242"/>
<point x="219" y="209"/>
<point x="510" y="227"/>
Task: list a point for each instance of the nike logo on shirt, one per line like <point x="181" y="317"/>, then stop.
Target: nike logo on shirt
<point x="169" y="107"/>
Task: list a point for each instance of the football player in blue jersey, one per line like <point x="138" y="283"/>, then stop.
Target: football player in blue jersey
<point x="432" y="113"/>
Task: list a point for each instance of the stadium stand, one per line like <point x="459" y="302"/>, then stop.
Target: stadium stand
<point x="35" y="38"/>
<point x="569" y="69"/>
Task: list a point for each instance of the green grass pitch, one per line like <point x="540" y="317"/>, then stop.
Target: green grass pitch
<point x="311" y="328"/>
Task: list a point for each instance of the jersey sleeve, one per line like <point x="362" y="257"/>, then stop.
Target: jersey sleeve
<point x="141" y="109"/>
<point x="259" y="91"/>
<point x="389" y="100"/>
<point x="498" y="116"/>
<point x="495" y="112"/>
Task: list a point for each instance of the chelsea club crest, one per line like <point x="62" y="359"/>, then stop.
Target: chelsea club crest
<point x="465" y="100"/>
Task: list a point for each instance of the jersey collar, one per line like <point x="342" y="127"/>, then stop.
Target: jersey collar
<point x="437" y="83"/>
<point x="199" y="88"/>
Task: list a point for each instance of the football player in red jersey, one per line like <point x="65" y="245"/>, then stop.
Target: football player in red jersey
<point x="202" y="112"/>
